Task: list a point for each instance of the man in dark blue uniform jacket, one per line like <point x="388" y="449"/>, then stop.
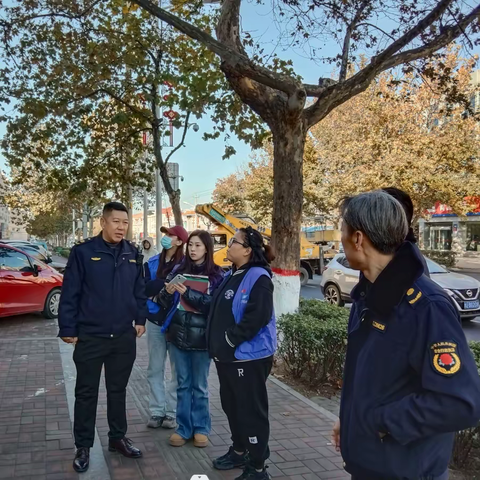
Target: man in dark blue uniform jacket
<point x="410" y="379"/>
<point x="102" y="312"/>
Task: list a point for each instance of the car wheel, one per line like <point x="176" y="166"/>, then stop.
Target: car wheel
<point x="332" y="295"/>
<point x="51" y="304"/>
<point x="304" y="277"/>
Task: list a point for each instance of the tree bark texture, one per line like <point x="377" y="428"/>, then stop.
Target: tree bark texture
<point x="289" y="143"/>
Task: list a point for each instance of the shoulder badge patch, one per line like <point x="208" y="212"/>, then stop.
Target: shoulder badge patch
<point x="413" y="295"/>
<point x="95" y="259"/>
<point x="445" y="358"/>
<point x="379" y="326"/>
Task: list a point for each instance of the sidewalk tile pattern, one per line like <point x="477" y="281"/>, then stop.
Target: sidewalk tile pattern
<point x="36" y="433"/>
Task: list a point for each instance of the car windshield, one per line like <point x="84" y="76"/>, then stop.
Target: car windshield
<point x="434" y="267"/>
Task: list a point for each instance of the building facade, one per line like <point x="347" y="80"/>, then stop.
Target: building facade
<point x="191" y="222"/>
<point x="444" y="230"/>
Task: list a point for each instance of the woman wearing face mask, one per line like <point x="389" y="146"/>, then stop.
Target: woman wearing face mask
<point x="242" y="339"/>
<point x="163" y="399"/>
<point x="148" y="249"/>
<point x="187" y="334"/>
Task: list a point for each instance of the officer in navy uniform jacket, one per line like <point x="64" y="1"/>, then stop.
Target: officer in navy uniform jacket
<point x="410" y="379"/>
<point x="102" y="312"/>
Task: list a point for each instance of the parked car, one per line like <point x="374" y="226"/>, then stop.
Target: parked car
<point x="338" y="280"/>
<point x="40" y="248"/>
<point x="39" y="255"/>
<point x="43" y="244"/>
<point x="27" y="285"/>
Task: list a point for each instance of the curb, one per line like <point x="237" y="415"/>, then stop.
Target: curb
<point x="305" y="400"/>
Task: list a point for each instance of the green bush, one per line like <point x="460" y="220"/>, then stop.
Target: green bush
<point x="475" y="348"/>
<point x="313" y="341"/>
<point x="447" y="258"/>
<point x="469" y="439"/>
<point x="64" y="252"/>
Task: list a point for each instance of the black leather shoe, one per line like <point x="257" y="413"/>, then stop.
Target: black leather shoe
<point x="82" y="460"/>
<point x="125" y="447"/>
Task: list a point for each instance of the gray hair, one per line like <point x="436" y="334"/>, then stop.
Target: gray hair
<point x="379" y="216"/>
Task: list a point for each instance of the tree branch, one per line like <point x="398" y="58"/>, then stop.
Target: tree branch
<point x="182" y="141"/>
<point x="235" y="60"/>
<point x="126" y="104"/>
<point x="340" y="93"/>
<point x="348" y="36"/>
<point x="317" y="90"/>
<point x="449" y="34"/>
<point x="78" y="16"/>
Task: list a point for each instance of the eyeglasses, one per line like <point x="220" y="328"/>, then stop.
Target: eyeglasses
<point x="234" y="240"/>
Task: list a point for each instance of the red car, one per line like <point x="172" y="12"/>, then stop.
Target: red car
<point x="27" y="285"/>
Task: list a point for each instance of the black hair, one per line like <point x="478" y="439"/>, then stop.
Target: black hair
<point x="111" y="206"/>
<point x="407" y="204"/>
<point x="209" y="268"/>
<point x="404" y="199"/>
<point x="262" y="254"/>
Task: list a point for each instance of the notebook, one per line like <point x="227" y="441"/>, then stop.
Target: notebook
<point x="195" y="282"/>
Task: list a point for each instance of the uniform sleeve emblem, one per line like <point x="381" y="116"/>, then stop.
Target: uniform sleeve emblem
<point x="445" y="358"/>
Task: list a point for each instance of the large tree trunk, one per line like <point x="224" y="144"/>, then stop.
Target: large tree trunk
<point x="289" y="143"/>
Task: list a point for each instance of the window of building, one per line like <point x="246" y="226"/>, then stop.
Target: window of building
<point x="438" y="236"/>
<point x="473" y="237"/>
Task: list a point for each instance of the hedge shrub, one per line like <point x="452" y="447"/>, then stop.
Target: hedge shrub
<point x="469" y="439"/>
<point x="447" y="258"/>
<point x="314" y="341"/>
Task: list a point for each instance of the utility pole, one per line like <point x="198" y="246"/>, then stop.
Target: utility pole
<point x="85" y="222"/>
<point x="158" y="212"/>
<point x="195" y="202"/>
<point x="73" y="225"/>
<point x="130" y="211"/>
<point x="145" y="214"/>
<point x="145" y="192"/>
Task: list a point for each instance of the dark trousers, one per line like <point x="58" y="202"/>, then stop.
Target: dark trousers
<point x="91" y="354"/>
<point x="243" y="393"/>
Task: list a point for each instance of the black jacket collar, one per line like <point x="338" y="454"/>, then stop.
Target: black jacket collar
<point x="393" y="282"/>
<point x="100" y="245"/>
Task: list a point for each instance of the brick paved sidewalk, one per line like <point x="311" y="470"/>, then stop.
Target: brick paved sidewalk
<point x="36" y="395"/>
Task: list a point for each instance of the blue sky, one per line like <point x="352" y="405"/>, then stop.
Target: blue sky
<point x="201" y="162"/>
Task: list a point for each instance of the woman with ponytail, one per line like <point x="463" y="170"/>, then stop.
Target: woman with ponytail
<point x="242" y="339"/>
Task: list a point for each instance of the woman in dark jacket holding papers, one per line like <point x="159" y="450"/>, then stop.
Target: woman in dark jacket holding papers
<point x="187" y="304"/>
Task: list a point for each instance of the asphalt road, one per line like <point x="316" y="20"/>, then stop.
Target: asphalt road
<point x="471" y="329"/>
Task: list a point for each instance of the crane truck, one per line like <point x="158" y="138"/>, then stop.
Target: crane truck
<point x="227" y="225"/>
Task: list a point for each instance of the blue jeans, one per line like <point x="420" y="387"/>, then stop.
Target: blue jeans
<point x="163" y="392"/>
<point x="193" y="413"/>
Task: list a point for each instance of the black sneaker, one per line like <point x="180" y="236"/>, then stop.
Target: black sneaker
<point x="251" y="474"/>
<point x="230" y="460"/>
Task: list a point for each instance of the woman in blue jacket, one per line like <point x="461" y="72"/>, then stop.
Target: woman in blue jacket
<point x="242" y="339"/>
<point x="163" y="394"/>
